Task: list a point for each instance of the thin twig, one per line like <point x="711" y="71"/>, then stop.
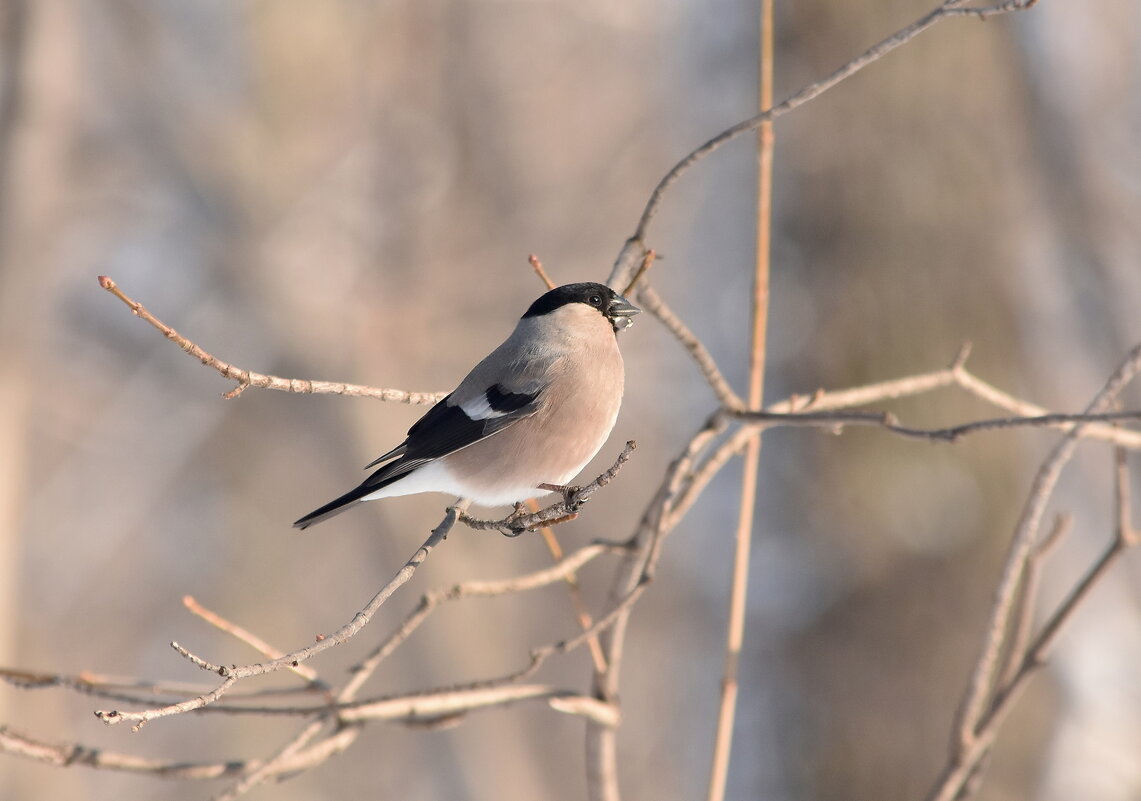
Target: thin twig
<point x="344" y="633"/>
<point x="248" y="637"/>
<point x="582" y="614"/>
<point x="69" y="754"/>
<point x="747" y="506"/>
<point x="985" y="703"/>
<point x="647" y="262"/>
<point x="632" y="576"/>
<point x="256" y="773"/>
<point x="414" y="711"/>
<point x="814" y="90"/>
<point x="1025" y="534"/>
<point x="432" y="705"/>
<point x="560" y="512"/>
<point x="1028" y="595"/>
<point x="248" y="378"/>
<point x="537" y="266"/>
<point x="837" y="420"/>
<point x="653" y="303"/>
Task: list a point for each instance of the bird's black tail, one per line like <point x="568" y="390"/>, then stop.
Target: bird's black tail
<point x="335" y="507"/>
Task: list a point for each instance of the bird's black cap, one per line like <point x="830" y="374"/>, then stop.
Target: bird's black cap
<point x="608" y="302"/>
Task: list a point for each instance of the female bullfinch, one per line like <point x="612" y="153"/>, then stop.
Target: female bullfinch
<point x="533" y="412"/>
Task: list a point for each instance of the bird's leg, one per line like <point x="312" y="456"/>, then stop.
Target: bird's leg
<point x="570" y="494"/>
<point x="520" y="511"/>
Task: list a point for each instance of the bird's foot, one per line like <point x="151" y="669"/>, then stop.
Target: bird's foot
<point x="520" y="512"/>
<point x="572" y="495"/>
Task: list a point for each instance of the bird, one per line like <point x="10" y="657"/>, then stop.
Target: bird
<point x="535" y="411"/>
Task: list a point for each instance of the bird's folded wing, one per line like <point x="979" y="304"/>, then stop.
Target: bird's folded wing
<point x="448" y="427"/>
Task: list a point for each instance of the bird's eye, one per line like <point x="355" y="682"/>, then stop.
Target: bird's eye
<point x="595" y="300"/>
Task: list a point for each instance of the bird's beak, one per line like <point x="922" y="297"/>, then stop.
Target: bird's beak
<point x="621" y="310"/>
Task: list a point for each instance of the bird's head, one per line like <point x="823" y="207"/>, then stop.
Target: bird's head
<point x="615" y="308"/>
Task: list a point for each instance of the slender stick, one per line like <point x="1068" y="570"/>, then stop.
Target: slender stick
<point x="248" y="378"/>
<point x="245" y="635"/>
<point x="738" y="590"/>
<point x="582" y="613"/>
<point x="232" y="675"/>
<point x="537" y="266"/>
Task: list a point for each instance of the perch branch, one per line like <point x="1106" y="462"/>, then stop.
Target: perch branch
<point x="746" y="510"/>
<point x="567" y="509"/>
<point x="537" y="266"/>
<point x="248" y="378"/>
<point x="233" y="674"/>
<point x="985" y="701"/>
<point x="248" y="637"/>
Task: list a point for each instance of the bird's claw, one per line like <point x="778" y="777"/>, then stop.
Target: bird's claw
<point x="570" y="495"/>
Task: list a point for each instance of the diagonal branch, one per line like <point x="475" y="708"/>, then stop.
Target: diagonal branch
<point x="561" y="512"/>
<point x="233" y="674"/>
<point x="986" y="701"/>
<point x="634" y="248"/>
<point x="248" y="378"/>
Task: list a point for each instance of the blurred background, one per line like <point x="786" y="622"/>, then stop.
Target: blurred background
<point x="349" y="191"/>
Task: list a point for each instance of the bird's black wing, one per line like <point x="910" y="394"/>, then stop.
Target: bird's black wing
<point x="447" y="428"/>
<point x="443" y="430"/>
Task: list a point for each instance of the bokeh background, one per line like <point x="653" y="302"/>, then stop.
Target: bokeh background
<point x="349" y="190"/>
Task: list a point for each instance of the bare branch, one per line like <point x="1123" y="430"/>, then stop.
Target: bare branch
<point x="585" y="620"/>
<point x="634" y="248"/>
<point x="537" y="266"/>
<point x="248" y="637"/>
<point x="563" y="511"/>
<point x="747" y="500"/>
<point x="248" y="378"/>
<point x="837" y="420"/>
<point x="985" y="702"/>
<point x="433" y="705"/>
<point x="233" y="674"/>
<point x="68" y="754"/>
<point x="654" y="304"/>
<point x="647" y="262"/>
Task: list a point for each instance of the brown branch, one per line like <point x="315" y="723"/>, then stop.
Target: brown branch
<point x="654" y="304"/>
<point x="537" y="266"/>
<point x="679" y="490"/>
<point x="985" y="702"/>
<point x="634" y="247"/>
<point x="248" y="378"/>
<point x="484" y="589"/>
<point x="574" y="590"/>
<point x="233" y="674"/>
<point x="631" y="580"/>
<point x="563" y="511"/>
<point x="248" y="637"/>
<point x="837" y="420"/>
<point x="647" y="262"/>
<point x="746" y="510"/>
<point x="1023" y="616"/>
<point x="795" y="410"/>
<point x="68" y="754"/>
<point x="345" y="699"/>
<point x="438" y="704"/>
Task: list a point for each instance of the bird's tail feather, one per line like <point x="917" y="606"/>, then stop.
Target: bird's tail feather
<point x="334" y="507"/>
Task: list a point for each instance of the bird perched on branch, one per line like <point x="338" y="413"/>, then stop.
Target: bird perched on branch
<point x="535" y="411"/>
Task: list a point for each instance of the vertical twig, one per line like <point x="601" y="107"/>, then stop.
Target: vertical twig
<point x="582" y="614"/>
<point x="738" y="592"/>
<point x="537" y="266"/>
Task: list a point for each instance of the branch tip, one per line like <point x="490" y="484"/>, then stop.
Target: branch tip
<point x="962" y="356"/>
<point x="236" y="391"/>
<point x="647" y="262"/>
<point x="537" y="266"/>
